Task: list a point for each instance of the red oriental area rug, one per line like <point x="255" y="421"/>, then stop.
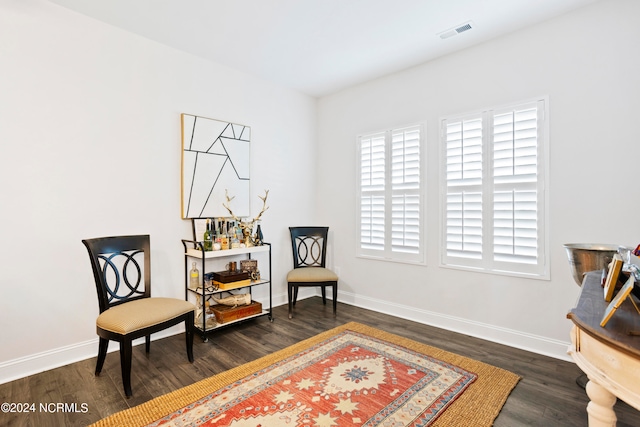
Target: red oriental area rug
<point x="353" y="375"/>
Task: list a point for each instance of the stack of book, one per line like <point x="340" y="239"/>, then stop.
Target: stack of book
<point x="231" y="279"/>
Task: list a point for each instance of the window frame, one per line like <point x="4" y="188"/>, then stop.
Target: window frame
<point x="388" y="254"/>
<point x="487" y="263"/>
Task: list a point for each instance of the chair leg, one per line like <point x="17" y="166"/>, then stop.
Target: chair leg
<point x="335" y="298"/>
<point x="324" y="294"/>
<point x="295" y="294"/>
<point x="188" y="324"/>
<point x="125" y="365"/>
<point x="103" y="345"/>
<point x="289" y="299"/>
<point x="147" y="343"/>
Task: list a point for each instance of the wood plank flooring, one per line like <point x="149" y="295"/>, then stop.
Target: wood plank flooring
<point x="547" y="395"/>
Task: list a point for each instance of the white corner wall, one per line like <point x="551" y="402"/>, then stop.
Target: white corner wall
<point x="587" y="63"/>
<point x="90" y="146"/>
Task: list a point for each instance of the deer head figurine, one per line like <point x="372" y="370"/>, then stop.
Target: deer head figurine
<point x="245" y="225"/>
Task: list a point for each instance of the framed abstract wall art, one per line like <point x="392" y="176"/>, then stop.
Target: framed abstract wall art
<point x="215" y="159"/>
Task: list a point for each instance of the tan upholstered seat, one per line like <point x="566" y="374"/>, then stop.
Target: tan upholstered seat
<point x="312" y="274"/>
<point x="139" y="314"/>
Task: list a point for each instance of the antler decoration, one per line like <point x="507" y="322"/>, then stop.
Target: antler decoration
<point x="247" y="226"/>
<point x="264" y="205"/>
<point x="229" y="199"/>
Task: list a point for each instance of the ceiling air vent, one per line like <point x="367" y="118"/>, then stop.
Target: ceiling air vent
<point x="463" y="28"/>
<point x="457" y="30"/>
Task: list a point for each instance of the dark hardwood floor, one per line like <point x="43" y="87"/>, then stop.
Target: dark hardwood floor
<point x="547" y="394"/>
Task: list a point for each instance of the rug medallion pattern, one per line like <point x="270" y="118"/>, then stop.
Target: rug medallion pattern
<point x="350" y="379"/>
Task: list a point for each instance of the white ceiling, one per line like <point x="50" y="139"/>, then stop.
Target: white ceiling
<point x="319" y="46"/>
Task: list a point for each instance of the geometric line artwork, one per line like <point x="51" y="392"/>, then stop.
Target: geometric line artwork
<point x="215" y="159"/>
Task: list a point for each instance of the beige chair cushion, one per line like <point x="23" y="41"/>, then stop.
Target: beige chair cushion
<point x="311" y="274"/>
<point x="139" y="314"/>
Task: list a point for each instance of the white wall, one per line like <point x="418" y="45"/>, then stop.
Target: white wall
<point x="90" y="146"/>
<point x="587" y="63"/>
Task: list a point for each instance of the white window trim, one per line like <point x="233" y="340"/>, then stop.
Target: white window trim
<point x="388" y="254"/>
<point x="543" y="271"/>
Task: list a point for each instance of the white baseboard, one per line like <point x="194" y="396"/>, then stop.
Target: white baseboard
<point x="40" y="362"/>
<point x="513" y="338"/>
<point x="35" y="363"/>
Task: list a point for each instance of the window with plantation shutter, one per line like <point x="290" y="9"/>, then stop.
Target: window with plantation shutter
<point x="390" y="198"/>
<point x="493" y="215"/>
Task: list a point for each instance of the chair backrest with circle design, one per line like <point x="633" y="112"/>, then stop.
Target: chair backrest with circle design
<point x="309" y="246"/>
<point x="121" y="268"/>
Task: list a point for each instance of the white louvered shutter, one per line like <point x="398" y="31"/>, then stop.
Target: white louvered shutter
<point x="464" y="204"/>
<point x="405" y="185"/>
<point x="372" y="192"/>
<point x="515" y="189"/>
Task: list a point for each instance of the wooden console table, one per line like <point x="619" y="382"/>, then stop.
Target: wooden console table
<point x="610" y="356"/>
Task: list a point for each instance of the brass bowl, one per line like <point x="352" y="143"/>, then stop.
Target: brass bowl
<point x="585" y="257"/>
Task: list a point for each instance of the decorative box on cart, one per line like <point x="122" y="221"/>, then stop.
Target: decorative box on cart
<point x="231" y="279"/>
<point x="226" y="313"/>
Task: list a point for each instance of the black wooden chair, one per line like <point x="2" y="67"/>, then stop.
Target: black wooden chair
<point x="122" y="272"/>
<point x="309" y="245"/>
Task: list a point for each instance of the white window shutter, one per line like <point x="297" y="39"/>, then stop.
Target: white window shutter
<point x="372" y="166"/>
<point x="372" y="188"/>
<point x="515" y="200"/>
<point x="515" y="146"/>
<point x="464" y="225"/>
<point x="464" y="152"/>
<point x="405" y="183"/>
<point x="372" y="222"/>
<point x="463" y="204"/>
<point x="390" y="217"/>
<point x="515" y="231"/>
<point x="405" y="158"/>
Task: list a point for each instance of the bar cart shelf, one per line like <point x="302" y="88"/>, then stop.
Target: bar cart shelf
<point x="207" y="261"/>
